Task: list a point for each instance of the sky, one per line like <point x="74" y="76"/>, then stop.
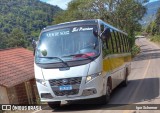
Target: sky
<point x="63" y="3"/>
<point x="153" y="0"/>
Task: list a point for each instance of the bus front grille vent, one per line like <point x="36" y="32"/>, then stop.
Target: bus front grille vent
<point x="62" y="93"/>
<point x="66" y="81"/>
<point x="74" y="82"/>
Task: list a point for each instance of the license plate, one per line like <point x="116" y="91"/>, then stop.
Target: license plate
<point x="66" y="87"/>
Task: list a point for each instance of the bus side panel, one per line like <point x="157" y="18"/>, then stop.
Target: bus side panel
<point x="107" y="68"/>
<point x="117" y="66"/>
<point x="119" y="63"/>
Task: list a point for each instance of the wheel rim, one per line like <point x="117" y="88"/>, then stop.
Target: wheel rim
<point x="126" y="80"/>
<point x="109" y="90"/>
<point x="108" y="93"/>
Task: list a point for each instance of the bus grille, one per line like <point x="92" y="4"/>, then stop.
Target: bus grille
<point x="62" y="93"/>
<point x="75" y="82"/>
<point x="66" y="81"/>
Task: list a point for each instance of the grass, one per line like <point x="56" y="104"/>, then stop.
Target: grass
<point x="135" y="50"/>
<point x="155" y="38"/>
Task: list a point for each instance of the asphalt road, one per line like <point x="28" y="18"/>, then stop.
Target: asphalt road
<point x="143" y="86"/>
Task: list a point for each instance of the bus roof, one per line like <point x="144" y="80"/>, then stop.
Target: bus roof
<point x="73" y="23"/>
<point x="114" y="28"/>
<point x="81" y="22"/>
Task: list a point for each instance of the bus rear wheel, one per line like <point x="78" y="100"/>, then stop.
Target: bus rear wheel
<point x="54" y="105"/>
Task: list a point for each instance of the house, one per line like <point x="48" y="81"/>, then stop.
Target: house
<point x="17" y="82"/>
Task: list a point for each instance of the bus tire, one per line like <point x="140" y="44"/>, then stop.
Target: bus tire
<point x="54" y="105"/>
<point x="125" y="82"/>
<point x="105" y="99"/>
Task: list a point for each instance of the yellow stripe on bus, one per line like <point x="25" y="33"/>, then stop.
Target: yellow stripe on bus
<point x="111" y="63"/>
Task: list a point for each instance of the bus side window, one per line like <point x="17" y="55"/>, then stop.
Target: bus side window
<point x="122" y="43"/>
<point x="109" y="41"/>
<point x="128" y="44"/>
<point x="102" y="28"/>
<point x="105" y="47"/>
<point x="125" y="43"/>
<point x="118" y="42"/>
<point x="114" y="39"/>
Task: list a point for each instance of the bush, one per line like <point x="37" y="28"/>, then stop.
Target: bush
<point x="155" y="38"/>
<point x="135" y="50"/>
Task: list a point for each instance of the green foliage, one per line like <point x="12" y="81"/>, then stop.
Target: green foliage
<point x="135" y="50"/>
<point x="23" y="19"/>
<point x="105" y="52"/>
<point x="16" y="39"/>
<point x="157" y="21"/>
<point x="151" y="28"/>
<point x="155" y="38"/>
<point x="148" y="28"/>
<point x="154" y="27"/>
<point x="138" y="33"/>
<point x="123" y="14"/>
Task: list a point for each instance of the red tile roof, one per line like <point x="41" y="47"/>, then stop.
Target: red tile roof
<point x="16" y="66"/>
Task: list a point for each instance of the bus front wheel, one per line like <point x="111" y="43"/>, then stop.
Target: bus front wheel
<point x="125" y="82"/>
<point x="105" y="99"/>
<point x="54" y="105"/>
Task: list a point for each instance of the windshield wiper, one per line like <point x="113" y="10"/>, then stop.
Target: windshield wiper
<point x="56" y="58"/>
<point x="89" y="57"/>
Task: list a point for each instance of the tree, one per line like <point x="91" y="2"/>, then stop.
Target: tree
<point x="16" y="39"/>
<point x="29" y="16"/>
<point x="148" y="28"/>
<point x="154" y="27"/>
<point x="157" y="21"/>
<point x="123" y="14"/>
<point x="2" y="40"/>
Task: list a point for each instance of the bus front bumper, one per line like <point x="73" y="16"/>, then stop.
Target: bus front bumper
<point x="92" y="89"/>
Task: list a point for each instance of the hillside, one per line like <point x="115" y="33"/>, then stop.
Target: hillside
<point x="152" y="8"/>
<point x="26" y="16"/>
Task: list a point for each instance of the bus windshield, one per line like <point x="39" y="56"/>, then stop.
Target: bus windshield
<point x="67" y="44"/>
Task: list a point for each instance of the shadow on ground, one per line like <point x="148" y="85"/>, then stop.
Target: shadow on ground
<point x="147" y="54"/>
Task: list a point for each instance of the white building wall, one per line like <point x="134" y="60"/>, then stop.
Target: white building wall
<point x="3" y="96"/>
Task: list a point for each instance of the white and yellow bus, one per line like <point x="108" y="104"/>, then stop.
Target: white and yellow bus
<point x="82" y="59"/>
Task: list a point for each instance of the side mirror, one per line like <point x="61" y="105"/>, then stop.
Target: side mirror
<point x="95" y="32"/>
<point x="34" y="44"/>
<point x="105" y="33"/>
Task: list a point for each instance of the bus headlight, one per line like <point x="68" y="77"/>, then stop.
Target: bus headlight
<point x="90" y="77"/>
<point x="41" y="81"/>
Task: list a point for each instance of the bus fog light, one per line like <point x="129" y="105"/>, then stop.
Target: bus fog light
<point x="46" y="95"/>
<point x="88" y="92"/>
